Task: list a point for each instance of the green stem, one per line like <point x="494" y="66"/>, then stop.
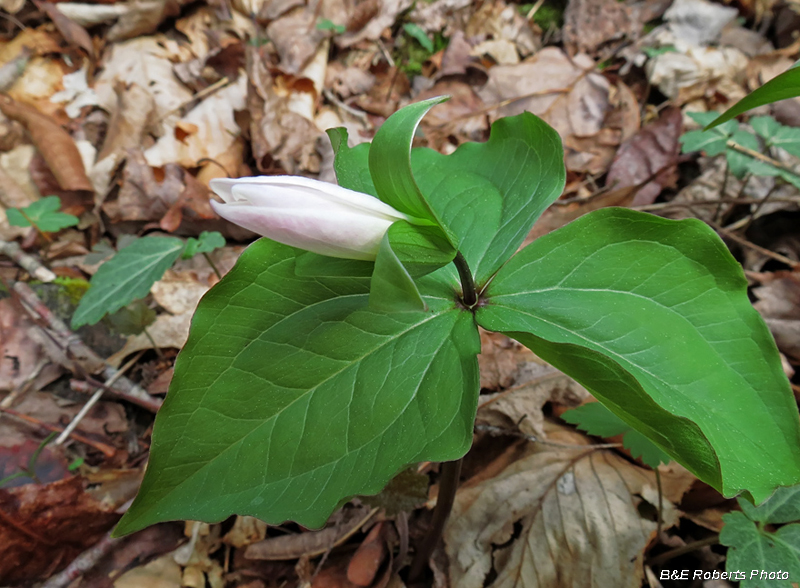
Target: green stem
<point x="448" y="484"/>
<point x="468" y="296"/>
<point x="213" y="267"/>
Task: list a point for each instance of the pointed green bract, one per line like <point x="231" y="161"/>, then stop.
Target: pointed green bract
<point x="292" y="395"/>
<point x="390" y="162"/>
<point x="652" y="316"/>
<point x="392" y="289"/>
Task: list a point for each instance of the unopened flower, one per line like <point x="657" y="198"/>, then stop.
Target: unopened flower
<point x="309" y="214"/>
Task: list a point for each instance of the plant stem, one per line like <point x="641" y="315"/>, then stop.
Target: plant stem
<point x="468" y="296"/>
<point x="213" y="267"/>
<point x="448" y="484"/>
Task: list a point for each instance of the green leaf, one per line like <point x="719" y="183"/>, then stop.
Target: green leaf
<point x="776" y="134"/>
<point x="652" y="316"/>
<point x="127" y="276"/>
<point x="392" y="288"/>
<point x="417" y="33"/>
<point x="42" y="214"/>
<point x="487" y="194"/>
<point x="781" y="507"/>
<point x="786" y="85"/>
<point x="741" y="163"/>
<point x="490" y="194"/>
<point x="351" y="164"/>
<point x="207" y="242"/>
<point x="327" y="25"/>
<point x="421" y="249"/>
<point x="713" y="142"/>
<point x="292" y="395"/>
<point x="132" y="319"/>
<point x="753" y="550"/>
<point x="596" y="419"/>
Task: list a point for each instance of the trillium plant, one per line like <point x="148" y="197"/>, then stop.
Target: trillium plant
<point x="343" y="346"/>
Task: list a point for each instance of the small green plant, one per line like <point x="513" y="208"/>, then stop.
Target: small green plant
<point x="416" y="47"/>
<point x="44" y="215"/>
<point x="131" y="272"/>
<point x="742" y="147"/>
<point x="760" y="555"/>
<point x="30" y="470"/>
<point x="328" y="25"/>
<point x="343" y="347"/>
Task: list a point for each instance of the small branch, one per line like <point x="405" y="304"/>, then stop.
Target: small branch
<point x="761" y="157"/>
<point x="742" y="241"/>
<point x="448" y="484"/>
<point x="83" y="356"/>
<point x="27" y="262"/>
<point x="103" y="448"/>
<point x="469" y="296"/>
<point x="213" y="267"/>
<point x="688" y="548"/>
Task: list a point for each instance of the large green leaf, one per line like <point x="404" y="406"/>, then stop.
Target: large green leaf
<point x="652" y="316"/>
<point x="292" y="395"/>
<point x="127" y="276"/>
<point x="786" y="85"/>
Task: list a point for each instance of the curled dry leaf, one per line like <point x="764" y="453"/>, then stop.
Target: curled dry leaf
<point x="53" y="142"/>
<point x="575" y="510"/>
<point x="367" y="23"/>
<point x="590" y="24"/>
<point x="368" y="558"/>
<point x="651" y="154"/>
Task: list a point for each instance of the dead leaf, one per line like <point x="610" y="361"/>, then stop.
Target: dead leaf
<point x="503" y="23"/>
<point x="160" y="573"/>
<point x="73" y="33"/>
<point x="560" y="516"/>
<point x="53" y="142"/>
<point x="500" y="360"/>
<point x="565" y="92"/>
<point x="650" y="154"/>
<point x="296" y="38"/>
<point x="376" y="22"/>
<point x="22" y="356"/>
<point x="43" y="528"/>
<point x="142" y="197"/>
<point x="368" y="558"/>
<point x="405" y="492"/>
<point x="50" y="466"/>
<point x="245" y="531"/>
<point x="209" y="129"/>
<point x="591" y="24"/>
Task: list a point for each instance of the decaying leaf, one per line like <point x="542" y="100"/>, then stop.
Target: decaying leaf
<point x="564" y="91"/>
<point x="44" y="527"/>
<point x="560" y="516"/>
<point x="650" y="154"/>
<point x="53" y="142"/>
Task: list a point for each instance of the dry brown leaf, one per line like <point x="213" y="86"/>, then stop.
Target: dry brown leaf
<point x="651" y="154"/>
<point x="374" y="22"/>
<point x="535" y="384"/>
<point x="11" y="196"/>
<point x="503" y="22"/>
<point x="590" y="24"/>
<point x="449" y="16"/>
<point x="142" y="197"/>
<point x="207" y="130"/>
<point x="245" y="531"/>
<point x="72" y="32"/>
<point x="296" y="38"/>
<point x="500" y="360"/>
<point x="368" y="558"/>
<point x="43" y="528"/>
<point x="53" y="142"/>
<point x="564" y="91"/>
<point x="160" y="573"/>
<point x="130" y="118"/>
<point x="576" y="508"/>
<point x="22" y="356"/>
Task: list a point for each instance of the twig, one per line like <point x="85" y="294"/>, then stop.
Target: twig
<point x="93" y="400"/>
<point x="761" y="157"/>
<point x="660" y="504"/>
<point x="219" y="84"/>
<point x="742" y="241"/>
<point x="448" y="484"/>
<point x="359" y="114"/>
<point x="27" y="262"/>
<point x="85" y="357"/>
<point x="713" y="202"/>
<point x="103" y="448"/>
<point x="688" y="548"/>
